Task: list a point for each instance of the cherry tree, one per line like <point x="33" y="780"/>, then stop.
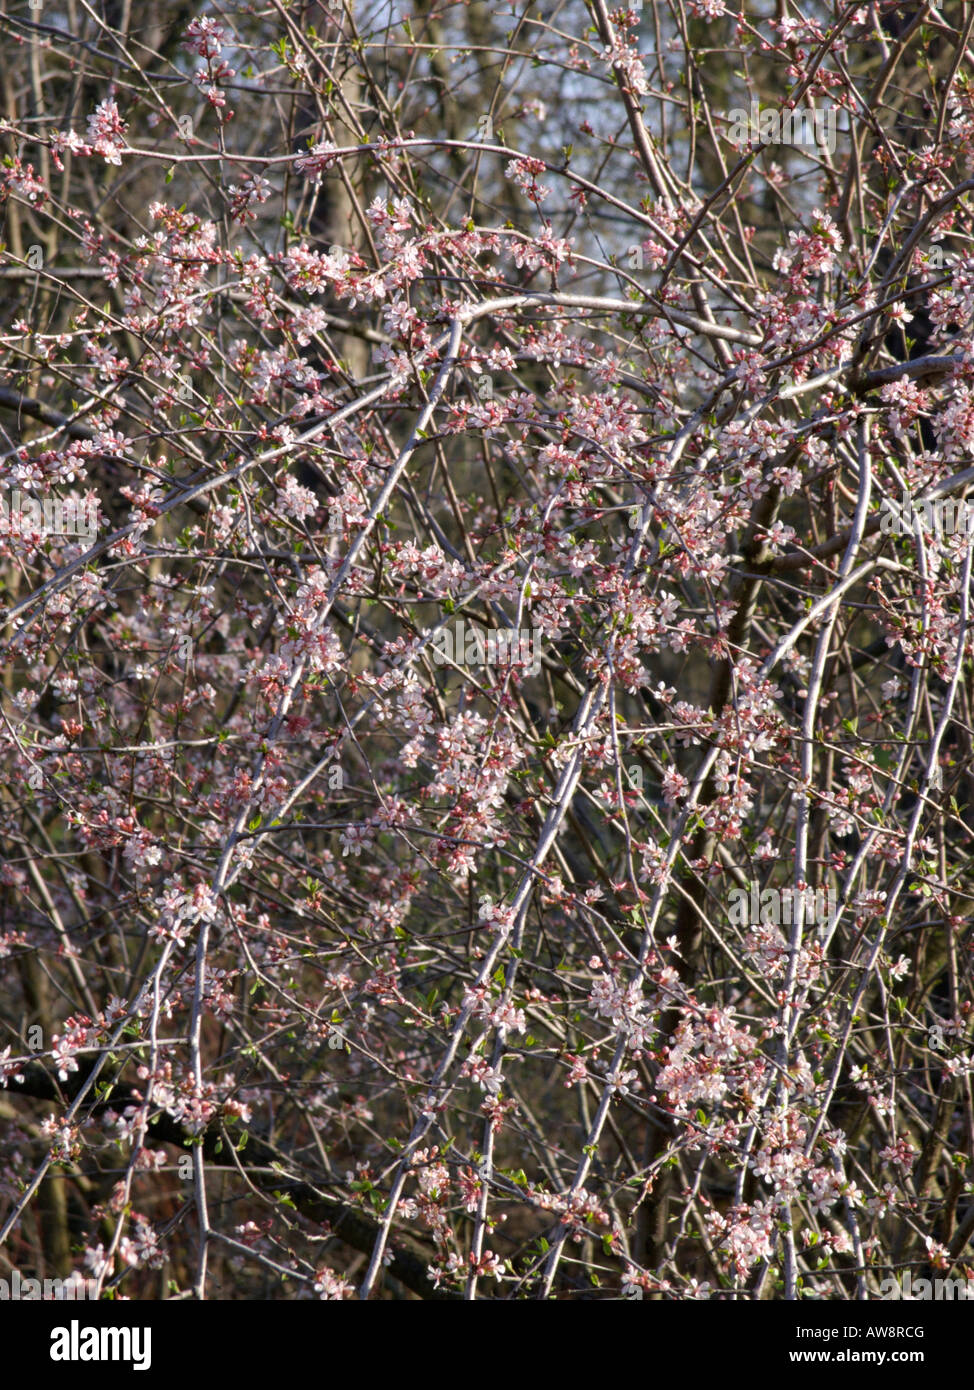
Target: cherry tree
<point x="448" y="455"/>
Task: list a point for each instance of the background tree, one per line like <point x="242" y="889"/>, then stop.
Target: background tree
<point x="351" y="954"/>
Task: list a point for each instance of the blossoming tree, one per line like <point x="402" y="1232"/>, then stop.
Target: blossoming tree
<point x="340" y="963"/>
